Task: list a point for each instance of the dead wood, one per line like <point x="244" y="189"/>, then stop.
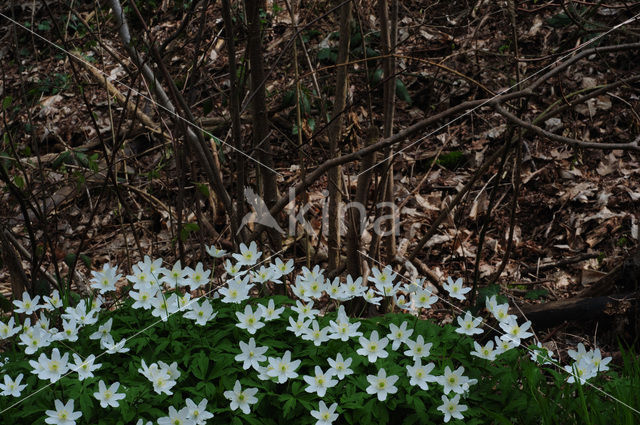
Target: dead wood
<point x="614" y="298"/>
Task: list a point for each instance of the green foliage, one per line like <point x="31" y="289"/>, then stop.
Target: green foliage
<point x="328" y="56"/>
<point x="6" y="102"/>
<point x="310" y="34"/>
<point x="402" y="92"/>
<point x="451" y="160"/>
<point x="187" y="229"/>
<point x="50" y="85"/>
<point x="18" y="181"/>
<point x="203" y="188"/>
<point x="488" y="292"/>
<point x="5" y="304"/>
<point x="510" y="390"/>
<point x="76" y="157"/>
<point x="560" y="20"/>
<point x="536" y="294"/>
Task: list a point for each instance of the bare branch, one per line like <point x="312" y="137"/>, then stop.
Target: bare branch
<point x="632" y="146"/>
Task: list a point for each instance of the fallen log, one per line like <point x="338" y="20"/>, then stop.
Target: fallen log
<point x="550" y="314"/>
<point x="613" y="301"/>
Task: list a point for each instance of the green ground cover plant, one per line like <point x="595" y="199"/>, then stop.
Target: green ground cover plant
<point x="179" y="346"/>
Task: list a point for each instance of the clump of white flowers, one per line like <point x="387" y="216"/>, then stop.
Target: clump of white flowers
<point x="150" y="282"/>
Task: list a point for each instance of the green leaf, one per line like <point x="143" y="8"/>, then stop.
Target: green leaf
<point x="536" y="294"/>
<point x="69" y="259"/>
<point x="161" y="345"/>
<point x="295" y="387"/>
<point x="85" y="260"/>
<point x="418" y="405"/>
<point x="200" y="366"/>
<point x="5" y="304"/>
<point x="93" y="162"/>
<point x="559" y="21"/>
<point x="402" y="92"/>
<point x="305" y="105"/>
<point x="6" y="102"/>
<point x="82" y="159"/>
<point x="209" y="390"/>
<point x="328" y="56"/>
<point x="187" y="228"/>
<point x="86" y="404"/>
<point x="288" y="406"/>
<point x="376" y="77"/>
<point x="62" y="158"/>
<point x="451" y="160"/>
<point x="127" y="412"/>
<point x="488" y="292"/>
<point x="289" y="98"/>
<point x="19" y="182"/>
<point x="203" y="188"/>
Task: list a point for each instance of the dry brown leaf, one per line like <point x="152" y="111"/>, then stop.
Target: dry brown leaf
<point x="425" y="203"/>
<point x="480" y="205"/>
<point x="437" y="240"/>
<point x="635" y="196"/>
<point x="605" y="169"/>
<point x="535" y="27"/>
<point x="588" y="277"/>
<point x="562" y="280"/>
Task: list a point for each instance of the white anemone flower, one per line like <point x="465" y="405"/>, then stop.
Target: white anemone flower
<point x="373" y="348"/>
<point x="241" y="399"/>
<point x="381" y="385"/>
<point x="325" y="415"/>
<point x="451" y="408"/>
<point x="63" y="415"/>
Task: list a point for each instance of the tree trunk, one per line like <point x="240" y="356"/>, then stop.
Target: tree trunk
<point x="262" y="146"/>
<point x="388" y="32"/>
<point x="335" y="134"/>
<point x="356" y="218"/>
<point x="234" y="109"/>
